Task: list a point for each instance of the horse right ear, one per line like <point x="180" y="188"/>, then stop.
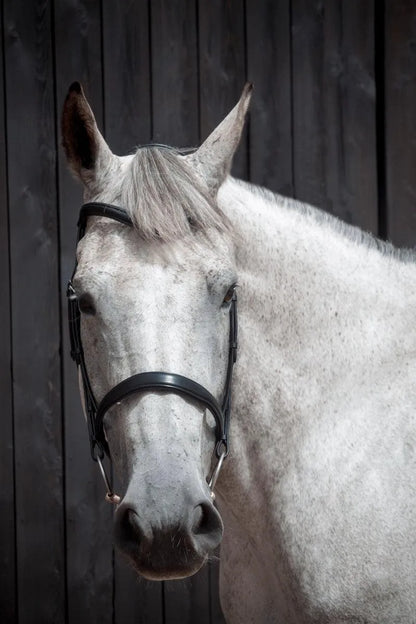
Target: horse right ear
<point x="213" y="159"/>
<point x="84" y="146"/>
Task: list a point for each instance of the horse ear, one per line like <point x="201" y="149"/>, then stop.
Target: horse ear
<point x="85" y="148"/>
<point x="214" y="158"/>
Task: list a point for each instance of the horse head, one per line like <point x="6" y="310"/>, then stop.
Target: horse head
<point x="156" y="297"/>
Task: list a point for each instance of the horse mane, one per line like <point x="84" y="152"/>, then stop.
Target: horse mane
<point x="165" y="199"/>
<point x="352" y="232"/>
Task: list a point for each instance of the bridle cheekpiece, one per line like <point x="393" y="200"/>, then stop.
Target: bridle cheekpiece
<point x="147" y="381"/>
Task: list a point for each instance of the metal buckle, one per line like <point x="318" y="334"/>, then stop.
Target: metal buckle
<point x="70" y="292"/>
<point x="218" y="452"/>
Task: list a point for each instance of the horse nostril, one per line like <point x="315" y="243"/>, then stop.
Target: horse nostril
<point x="130" y="530"/>
<point x="132" y="521"/>
<point x="205" y="519"/>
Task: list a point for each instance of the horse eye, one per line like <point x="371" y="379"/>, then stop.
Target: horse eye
<point x="230" y="294"/>
<point x="86" y="305"/>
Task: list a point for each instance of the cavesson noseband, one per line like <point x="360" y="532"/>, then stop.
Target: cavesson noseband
<point x="143" y="382"/>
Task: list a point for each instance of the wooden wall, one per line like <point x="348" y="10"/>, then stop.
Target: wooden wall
<point x="332" y="122"/>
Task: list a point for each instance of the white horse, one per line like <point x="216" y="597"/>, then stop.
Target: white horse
<point x="318" y="494"/>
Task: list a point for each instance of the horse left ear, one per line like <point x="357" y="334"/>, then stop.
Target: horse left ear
<point x="214" y="158"/>
<point x="85" y="148"/>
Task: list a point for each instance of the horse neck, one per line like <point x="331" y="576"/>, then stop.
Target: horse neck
<point x="313" y="302"/>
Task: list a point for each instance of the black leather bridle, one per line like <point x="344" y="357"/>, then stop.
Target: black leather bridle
<point x="143" y="382"/>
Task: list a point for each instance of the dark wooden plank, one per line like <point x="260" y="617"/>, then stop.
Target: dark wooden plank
<point x="269" y="69"/>
<point x="351" y="159"/>
<point x="137" y="601"/>
<point x="400" y="104"/>
<point x="222" y="71"/>
<point x="175" y="119"/>
<point x="216" y="614"/>
<point x="307" y="105"/>
<point x="7" y="521"/>
<point x="222" y="74"/>
<point x="78" y="49"/>
<point x="127" y="74"/>
<point x="126" y="47"/>
<point x="31" y="146"/>
<point x="334" y="122"/>
<point x="187" y="600"/>
<point x="174" y="72"/>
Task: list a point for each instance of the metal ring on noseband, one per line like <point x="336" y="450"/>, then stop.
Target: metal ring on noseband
<point x="110" y="496"/>
<point x="142" y="382"/>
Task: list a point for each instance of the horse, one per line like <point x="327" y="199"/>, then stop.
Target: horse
<point x="315" y="501"/>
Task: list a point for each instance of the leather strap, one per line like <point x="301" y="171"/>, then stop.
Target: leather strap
<point x="164" y="382"/>
<point x="143" y="382"/>
<point x="98" y="209"/>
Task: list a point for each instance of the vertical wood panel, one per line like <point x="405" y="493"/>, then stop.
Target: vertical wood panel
<point x="34" y="272"/>
<point x="188" y="600"/>
<point x="222" y="71"/>
<point x="137" y="601"/>
<point x="171" y="70"/>
<point x="269" y="68"/>
<point x="350" y="114"/>
<point x="222" y="74"/>
<point x="334" y="138"/>
<point x="400" y="106"/>
<point x="175" y="117"/>
<point x="88" y="516"/>
<point x="308" y="123"/>
<point x="127" y="74"/>
<point x="7" y="521"/>
<point x="174" y="74"/>
<point x="126" y="46"/>
<point x="216" y="614"/>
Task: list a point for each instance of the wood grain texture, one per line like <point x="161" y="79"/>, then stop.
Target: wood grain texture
<point x="78" y="47"/>
<point x="175" y="116"/>
<point x="31" y="145"/>
<point x="400" y="99"/>
<point x="187" y="600"/>
<point x="269" y="69"/>
<point x="136" y="600"/>
<point x="333" y="107"/>
<point x="174" y="74"/>
<point x="334" y="138"/>
<point x="350" y="113"/>
<point x="216" y="614"/>
<point x="8" y="604"/>
<point x="127" y="106"/>
<point x="222" y="71"/>
<point x="127" y="86"/>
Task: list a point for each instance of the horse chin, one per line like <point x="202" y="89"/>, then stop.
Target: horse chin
<point x="166" y="572"/>
<point x="174" y="550"/>
<point x="164" y="564"/>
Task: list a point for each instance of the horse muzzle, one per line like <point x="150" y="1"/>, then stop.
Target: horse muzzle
<point x="164" y="546"/>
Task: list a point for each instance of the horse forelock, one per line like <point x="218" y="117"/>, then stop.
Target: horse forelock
<point x="165" y="198"/>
